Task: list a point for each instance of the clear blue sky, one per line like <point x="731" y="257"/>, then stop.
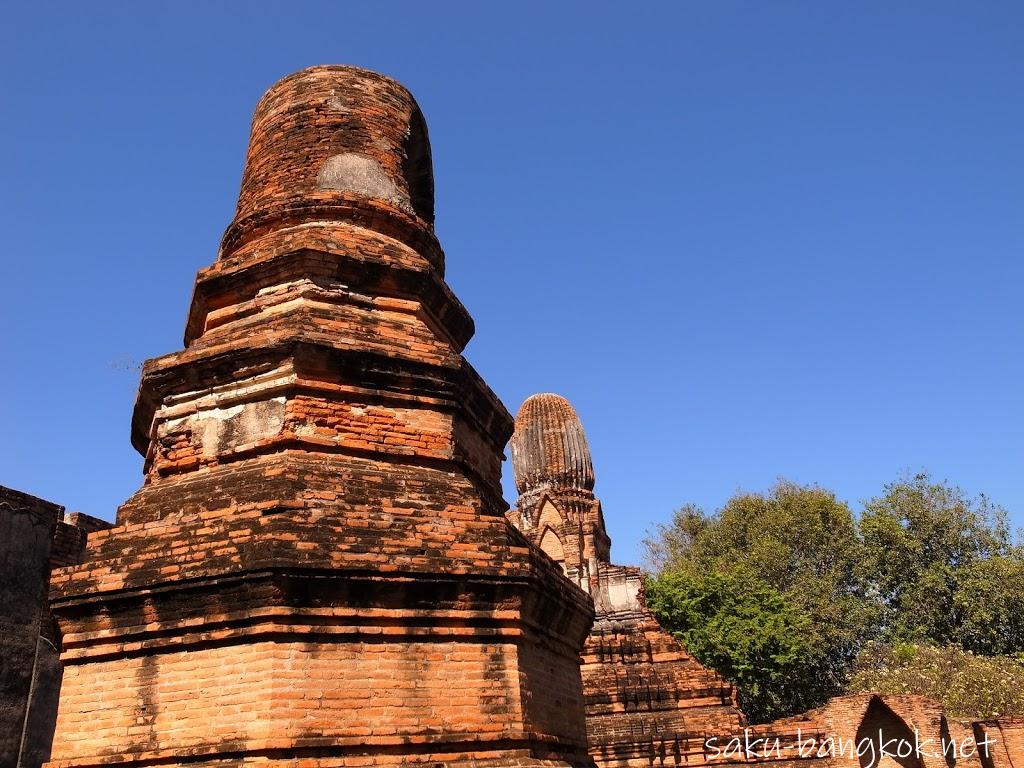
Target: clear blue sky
<point x="746" y="239"/>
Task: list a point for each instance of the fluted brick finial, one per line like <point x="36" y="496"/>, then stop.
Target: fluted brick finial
<point x="549" y="448"/>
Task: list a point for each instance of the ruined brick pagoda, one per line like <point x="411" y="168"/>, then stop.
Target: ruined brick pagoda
<point x="647" y="699"/>
<point x="317" y="570"/>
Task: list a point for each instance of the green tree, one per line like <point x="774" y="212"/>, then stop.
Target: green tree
<point x="945" y="569"/>
<point x="923" y="567"/>
<point x="800" y="541"/>
<point x="744" y="629"/>
<point x="968" y="686"/>
<point x="988" y="604"/>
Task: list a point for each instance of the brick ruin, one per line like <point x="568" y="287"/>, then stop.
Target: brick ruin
<point x="319" y="569"/>
<point x="646" y="698"/>
<point x="650" y="703"/>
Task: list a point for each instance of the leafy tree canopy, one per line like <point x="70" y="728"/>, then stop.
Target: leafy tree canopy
<point x="923" y="564"/>
<point x="800" y="541"/>
<point x="944" y="569"/>
<point x="744" y="629"/>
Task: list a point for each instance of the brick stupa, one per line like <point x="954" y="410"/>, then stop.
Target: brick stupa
<point x="317" y="570"/>
<point x="648" y="701"/>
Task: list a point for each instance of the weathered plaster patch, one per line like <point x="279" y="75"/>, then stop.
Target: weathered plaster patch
<point x="353" y="172"/>
<point x="221" y="430"/>
<point x="622" y="595"/>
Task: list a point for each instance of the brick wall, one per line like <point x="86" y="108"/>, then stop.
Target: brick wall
<point x="35" y="536"/>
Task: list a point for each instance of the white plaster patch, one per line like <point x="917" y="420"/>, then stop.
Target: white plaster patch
<point x="222" y="430"/>
<point x="622" y="595"/>
<point x="353" y="172"/>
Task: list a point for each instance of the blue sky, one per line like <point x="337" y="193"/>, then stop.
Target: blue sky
<point x="746" y="239"/>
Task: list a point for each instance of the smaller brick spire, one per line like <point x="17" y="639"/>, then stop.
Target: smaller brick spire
<point x="556" y="508"/>
<point x="549" y="448"/>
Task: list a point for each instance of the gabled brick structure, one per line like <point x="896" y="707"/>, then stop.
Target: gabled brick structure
<point x="648" y="701"/>
<point x="317" y="570"/>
